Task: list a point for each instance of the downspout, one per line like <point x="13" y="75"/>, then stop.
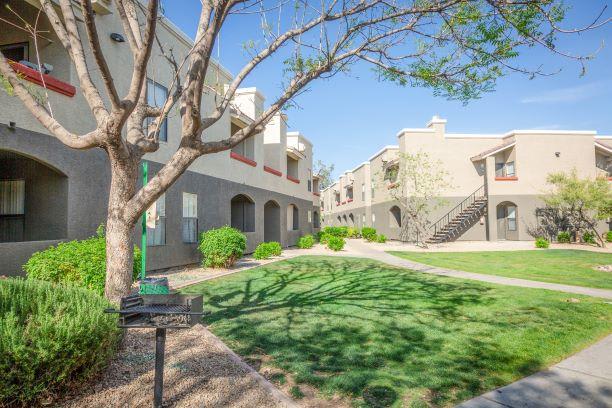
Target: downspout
<point x="486" y="193"/>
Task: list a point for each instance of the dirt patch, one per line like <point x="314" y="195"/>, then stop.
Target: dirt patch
<point x="199" y="372"/>
<point x="604" y="268"/>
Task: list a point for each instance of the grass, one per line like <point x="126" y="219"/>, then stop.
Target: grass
<point x="565" y="266"/>
<point x="386" y="336"/>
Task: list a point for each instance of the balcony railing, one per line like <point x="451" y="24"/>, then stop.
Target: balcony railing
<point x="45" y="80"/>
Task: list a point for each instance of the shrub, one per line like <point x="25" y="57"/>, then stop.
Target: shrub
<point x="325" y="238"/>
<point x="50" y="334"/>
<point x="563" y="237"/>
<point x="609" y="236"/>
<point x="353" y="232"/>
<point x="80" y="262"/>
<point x="542" y="243"/>
<point x="381" y="238"/>
<point x="588" y="237"/>
<point x="319" y="235"/>
<point x="221" y="247"/>
<point x="335" y="243"/>
<point x="266" y="250"/>
<point x="336" y="231"/>
<point x="368" y="233"/>
<point x="306" y="242"/>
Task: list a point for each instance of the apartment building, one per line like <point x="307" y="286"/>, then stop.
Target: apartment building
<point x="496" y="180"/>
<point x="50" y="193"/>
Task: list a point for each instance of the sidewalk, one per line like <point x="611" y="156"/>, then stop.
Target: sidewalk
<point x="583" y="380"/>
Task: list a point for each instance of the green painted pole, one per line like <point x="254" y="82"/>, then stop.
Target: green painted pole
<point x="143" y="240"/>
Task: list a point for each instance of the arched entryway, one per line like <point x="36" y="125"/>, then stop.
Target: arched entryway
<point x="243" y="213"/>
<point x="272" y="221"/>
<point x="395" y="217"/>
<point x="351" y="220"/>
<point x="344" y="219"/>
<point x="33" y="200"/>
<point x="507" y="224"/>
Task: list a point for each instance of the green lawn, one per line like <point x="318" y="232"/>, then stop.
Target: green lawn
<point x="566" y="266"/>
<point x="378" y="333"/>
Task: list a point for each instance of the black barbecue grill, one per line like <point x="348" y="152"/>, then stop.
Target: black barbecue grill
<point x="159" y="312"/>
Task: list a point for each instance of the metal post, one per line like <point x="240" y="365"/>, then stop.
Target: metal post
<point x="143" y="239"/>
<point x="160" y="345"/>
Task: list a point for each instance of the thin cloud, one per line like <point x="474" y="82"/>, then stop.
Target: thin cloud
<point x="571" y="94"/>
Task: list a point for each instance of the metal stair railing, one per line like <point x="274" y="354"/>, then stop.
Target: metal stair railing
<point x="437" y="226"/>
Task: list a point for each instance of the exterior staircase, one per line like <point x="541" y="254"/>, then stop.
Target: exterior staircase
<point x="459" y="219"/>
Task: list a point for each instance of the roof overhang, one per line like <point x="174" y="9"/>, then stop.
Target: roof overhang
<point x="511" y="142"/>
<point x="603" y="147"/>
<point x="295" y="153"/>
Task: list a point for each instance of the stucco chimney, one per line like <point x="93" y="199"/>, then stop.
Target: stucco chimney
<point x="438" y="124"/>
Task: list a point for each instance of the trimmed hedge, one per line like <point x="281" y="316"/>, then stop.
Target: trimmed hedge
<point x="306" y="242"/>
<point x="542" y="243"/>
<point x="267" y="250"/>
<point x="79" y="262"/>
<point x="368" y="233"/>
<point x="335" y="243"/>
<point x="50" y="335"/>
<point x="221" y="247"/>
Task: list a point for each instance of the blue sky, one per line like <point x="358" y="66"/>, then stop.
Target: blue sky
<point x="350" y="117"/>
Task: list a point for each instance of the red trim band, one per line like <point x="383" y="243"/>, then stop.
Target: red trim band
<point x="52" y="83"/>
<point x="273" y="171"/>
<point x="350" y="200"/>
<point x="293" y="179"/>
<point x="243" y="159"/>
<point x="317" y="194"/>
<point x="511" y="178"/>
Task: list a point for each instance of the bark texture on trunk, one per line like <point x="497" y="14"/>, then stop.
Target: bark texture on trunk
<point x="120" y="231"/>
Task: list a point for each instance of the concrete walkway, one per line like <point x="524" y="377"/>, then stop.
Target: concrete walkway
<point x="583" y="380"/>
<point x="359" y="248"/>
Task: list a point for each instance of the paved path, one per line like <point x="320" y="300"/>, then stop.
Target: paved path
<point x="360" y="248"/>
<point x="581" y="381"/>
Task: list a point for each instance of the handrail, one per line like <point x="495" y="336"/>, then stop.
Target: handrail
<point x="446" y="219"/>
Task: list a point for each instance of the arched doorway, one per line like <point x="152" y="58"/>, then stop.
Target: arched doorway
<point x="33" y="200"/>
<point x="395" y="217"/>
<point x="351" y="220"/>
<point x="243" y="213"/>
<point x="507" y="225"/>
<point x="272" y="221"/>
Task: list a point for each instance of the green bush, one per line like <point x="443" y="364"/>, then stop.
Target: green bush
<point x="80" y="262"/>
<point x="267" y="250"/>
<point x="50" y="335"/>
<point x="221" y="247"/>
<point x="353" y="232"/>
<point x="325" y="238"/>
<point x="381" y="238"/>
<point x="368" y="233"/>
<point x="563" y="237"/>
<point x="335" y="243"/>
<point x="609" y="236"/>
<point x="319" y="235"/>
<point x="588" y="237"/>
<point x="306" y="242"/>
<point x="542" y="243"/>
<point x="336" y="231"/>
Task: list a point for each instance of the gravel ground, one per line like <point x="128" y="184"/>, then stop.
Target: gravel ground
<point x="200" y="371"/>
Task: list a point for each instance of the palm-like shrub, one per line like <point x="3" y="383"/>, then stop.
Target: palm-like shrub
<point x="50" y="335"/>
<point x="221" y="247"/>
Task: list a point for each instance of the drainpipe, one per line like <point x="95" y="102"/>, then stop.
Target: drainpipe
<point x="486" y="193"/>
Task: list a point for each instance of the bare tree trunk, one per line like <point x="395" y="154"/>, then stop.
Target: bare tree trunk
<point x="119" y="231"/>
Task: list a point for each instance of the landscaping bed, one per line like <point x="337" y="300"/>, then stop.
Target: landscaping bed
<point x="564" y="266"/>
<point x="385" y="336"/>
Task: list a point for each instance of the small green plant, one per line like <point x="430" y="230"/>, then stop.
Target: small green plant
<point x="325" y="238"/>
<point x="588" y="237"/>
<point x="79" y="262"/>
<point x="368" y="233"/>
<point x="336" y="231"/>
<point x="221" y="247"/>
<point x="563" y="237"/>
<point x="306" y="242"/>
<point x="352" y="232"/>
<point x="319" y="235"/>
<point x="542" y="243"/>
<point x="335" y="243"/>
<point x="296" y="392"/>
<point x="267" y="250"/>
<point x="50" y="336"/>
<point x="380" y="238"/>
<point x="609" y="236"/>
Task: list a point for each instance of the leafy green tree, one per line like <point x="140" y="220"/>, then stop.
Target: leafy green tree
<point x="583" y="201"/>
<point x="325" y="174"/>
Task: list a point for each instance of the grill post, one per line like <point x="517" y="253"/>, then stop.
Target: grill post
<point x="160" y="344"/>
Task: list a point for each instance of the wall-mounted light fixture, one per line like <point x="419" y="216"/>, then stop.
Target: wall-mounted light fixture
<point x="557" y="154"/>
<point x="117" y="37"/>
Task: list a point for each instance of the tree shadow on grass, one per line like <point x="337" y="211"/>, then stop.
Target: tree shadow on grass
<point x="358" y="327"/>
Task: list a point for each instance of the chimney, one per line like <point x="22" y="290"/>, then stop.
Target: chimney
<point x="438" y="124"/>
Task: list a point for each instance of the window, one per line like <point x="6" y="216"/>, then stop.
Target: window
<point x="373" y="218"/>
<point x="349" y="193"/>
<point x="190" y="218"/>
<point x="157" y="216"/>
<point x="309" y="180"/>
<point x="363" y="220"/>
<point x="243" y="213"/>
<point x="246" y="148"/>
<point x="12" y="210"/>
<point x="156" y="96"/>
<point x="391" y="174"/>
<point x="372" y="189"/>
<point x="511" y="218"/>
<point x="363" y="191"/>
<point x="16" y="52"/>
<point x="292" y="168"/>
<point x="504" y="169"/>
<point x="510" y="169"/>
